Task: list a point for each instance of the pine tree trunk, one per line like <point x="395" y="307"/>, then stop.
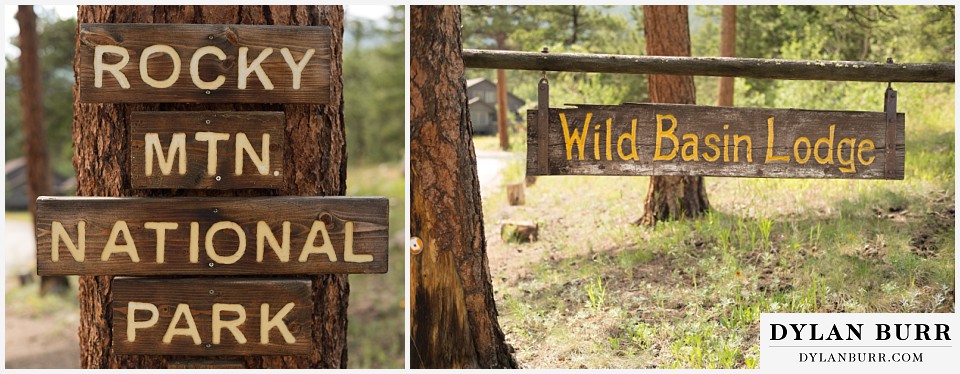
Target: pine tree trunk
<point x="668" y="34"/>
<point x="728" y="48"/>
<point x="453" y="313"/>
<point x="503" y="121"/>
<point x="317" y="165"/>
<point x="39" y="179"/>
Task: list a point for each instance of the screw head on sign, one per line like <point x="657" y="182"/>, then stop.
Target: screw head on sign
<point x="208" y="345"/>
<point x="207" y="92"/>
<point x="207" y="122"/>
<point x="210" y="265"/>
<point x="218" y="178"/>
<point x="210" y="37"/>
<point x="416" y="245"/>
<point x="211" y="292"/>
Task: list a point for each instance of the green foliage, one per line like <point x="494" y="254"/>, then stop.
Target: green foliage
<point x="561" y="29"/>
<point x="56" y="46"/>
<point x="373" y="82"/>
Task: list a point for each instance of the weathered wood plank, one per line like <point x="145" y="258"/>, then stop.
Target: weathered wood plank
<point x="213" y="305"/>
<point x="199" y="78"/>
<point x="206" y="239"/>
<point x="863" y="71"/>
<point x="206" y="364"/>
<point x="162" y="127"/>
<point x="730" y="142"/>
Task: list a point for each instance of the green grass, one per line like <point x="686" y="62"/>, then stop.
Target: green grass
<point x="598" y="292"/>
<point x="518" y="142"/>
<point x="22" y="216"/>
<point x="375" y="334"/>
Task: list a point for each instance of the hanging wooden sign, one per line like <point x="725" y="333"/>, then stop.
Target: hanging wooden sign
<point x="211" y="317"/>
<point x="208" y="150"/>
<point x="664" y="139"/>
<point x="190" y="63"/>
<point x="211" y="235"/>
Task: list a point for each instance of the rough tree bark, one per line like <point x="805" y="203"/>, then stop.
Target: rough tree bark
<point x="728" y="48"/>
<point x="453" y="313"/>
<point x="668" y="34"/>
<point x="317" y="167"/>
<point x="39" y="179"/>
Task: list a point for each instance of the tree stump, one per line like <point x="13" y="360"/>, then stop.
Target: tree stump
<point x="515" y="194"/>
<point x="519" y="231"/>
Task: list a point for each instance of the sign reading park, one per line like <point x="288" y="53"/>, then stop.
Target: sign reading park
<point x="209" y="150"/>
<point x="208" y="317"/>
<point x="211" y="235"/>
<point x="664" y="139"/>
<point x="191" y="63"/>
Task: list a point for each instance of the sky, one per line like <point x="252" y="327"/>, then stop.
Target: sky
<point x="11" y="29"/>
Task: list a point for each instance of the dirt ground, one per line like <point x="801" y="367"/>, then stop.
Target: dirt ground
<point x="40" y="332"/>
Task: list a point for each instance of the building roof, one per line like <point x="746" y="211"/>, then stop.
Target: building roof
<point x="474" y="81"/>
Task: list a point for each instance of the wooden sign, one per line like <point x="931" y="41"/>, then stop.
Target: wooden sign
<point x="210" y="317"/>
<point x="664" y="139"/>
<point x="211" y="235"/>
<point x="151" y="63"/>
<point x="211" y="150"/>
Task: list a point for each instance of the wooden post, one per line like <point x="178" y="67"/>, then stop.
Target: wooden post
<point x="859" y="71"/>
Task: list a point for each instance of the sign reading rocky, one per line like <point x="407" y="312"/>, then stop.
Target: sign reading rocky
<point x="190" y="63"/>
<point x="664" y="139"/>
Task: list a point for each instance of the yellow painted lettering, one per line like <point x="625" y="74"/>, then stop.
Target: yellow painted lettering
<point x="297" y="67"/>
<point x="262" y="162"/>
<point x="829" y="142"/>
<point x="161" y="228"/>
<point x="657" y="156"/>
<point x="310" y="246"/>
<point x="241" y="242"/>
<point x="265" y="234"/>
<point x="211" y="138"/>
<point x="244" y="70"/>
<point x="579" y="139"/>
<point x="99" y="66"/>
<point x="178" y="147"/>
<point x="712" y="145"/>
<point x="770" y="157"/>
<point x="690" y="148"/>
<point x="267" y="324"/>
<point x="848" y="164"/>
<point x="133" y="324"/>
<point x="232" y="325"/>
<point x="632" y="137"/>
<point x="120" y="227"/>
<point x="195" y="68"/>
<point x="865" y="145"/>
<point x="59" y="233"/>
<point x="796" y="150"/>
<point x="183" y="312"/>
<point x="144" y="62"/>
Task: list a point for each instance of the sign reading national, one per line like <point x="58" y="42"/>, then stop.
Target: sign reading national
<point x="663" y="139"/>
<point x="190" y="63"/>
<point x="211" y="235"/>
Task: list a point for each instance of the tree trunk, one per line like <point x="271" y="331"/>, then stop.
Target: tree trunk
<point x="668" y="34"/>
<point x="728" y="48"/>
<point x="453" y="313"/>
<point x="39" y="179"/>
<point x="317" y="167"/>
<point x="503" y="125"/>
